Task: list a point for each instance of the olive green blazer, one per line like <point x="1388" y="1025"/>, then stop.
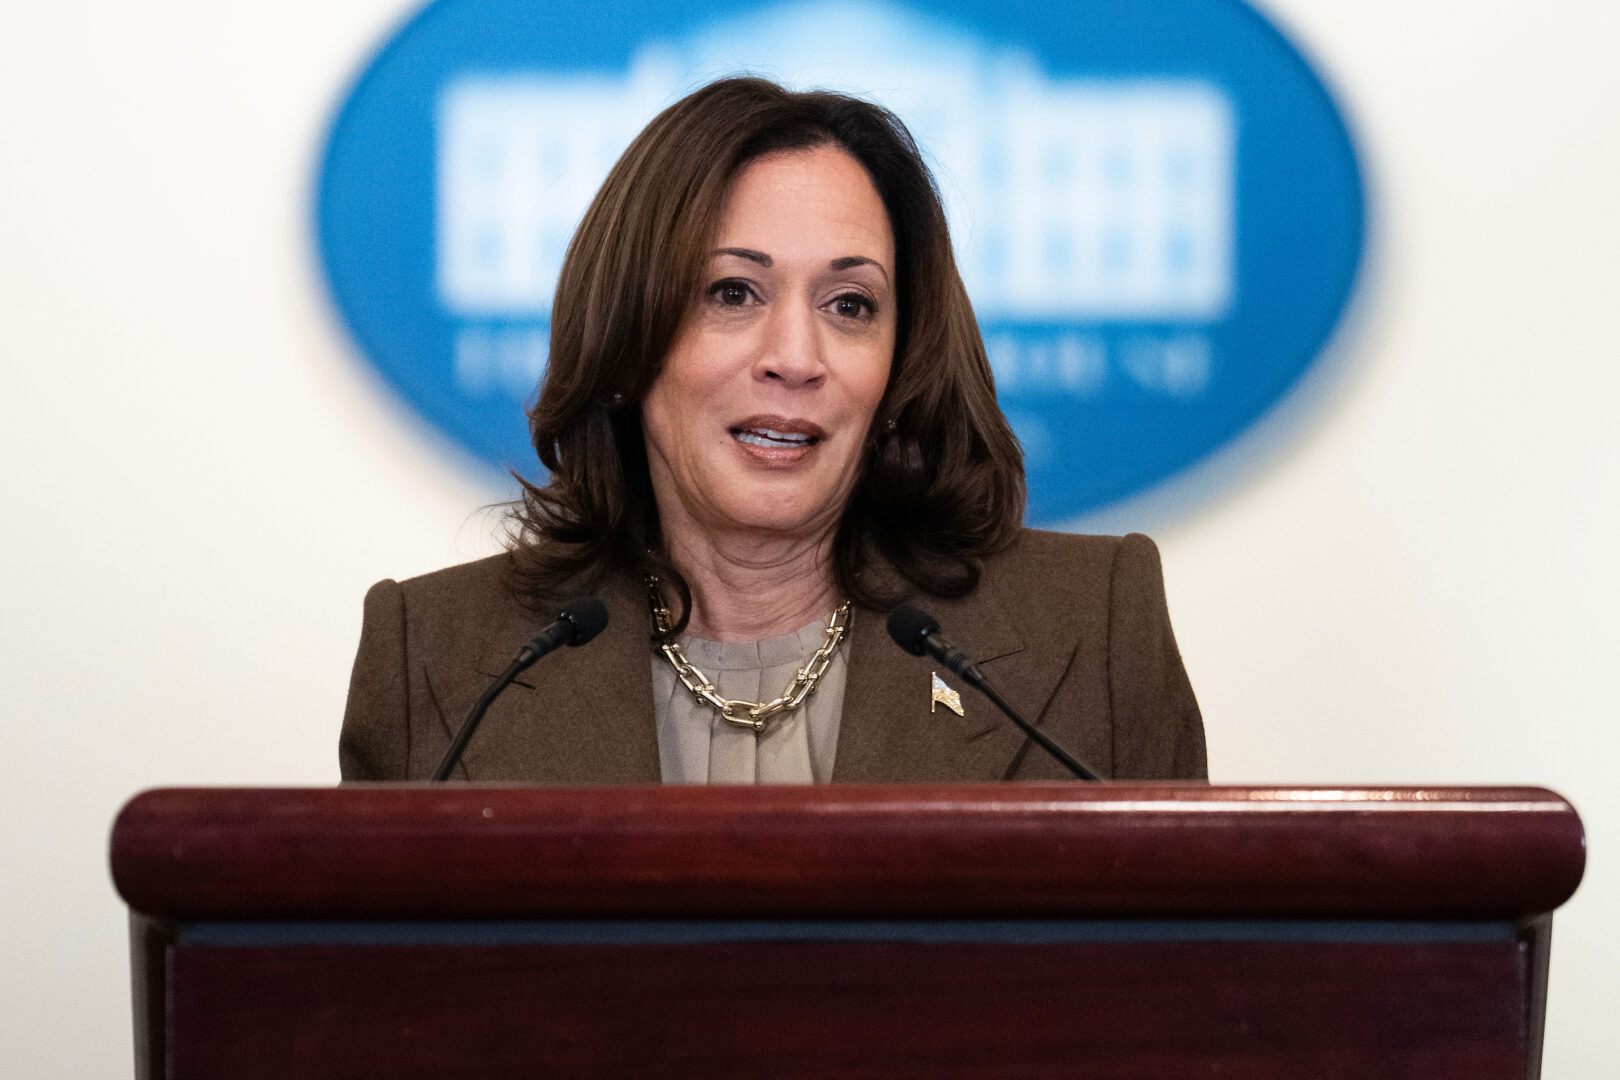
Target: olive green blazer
<point x="1072" y="630"/>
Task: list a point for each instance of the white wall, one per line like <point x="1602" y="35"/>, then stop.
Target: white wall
<point x="201" y="478"/>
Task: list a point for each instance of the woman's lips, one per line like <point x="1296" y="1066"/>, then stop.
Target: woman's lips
<point x="772" y="438"/>
<point x="776" y="438"/>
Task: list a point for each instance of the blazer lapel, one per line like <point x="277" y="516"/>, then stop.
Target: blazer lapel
<point x="890" y="731"/>
<point x="580" y="714"/>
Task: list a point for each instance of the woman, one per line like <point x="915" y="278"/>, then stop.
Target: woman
<point x="768" y="417"/>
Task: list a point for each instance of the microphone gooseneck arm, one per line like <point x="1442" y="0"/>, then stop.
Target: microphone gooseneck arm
<point x="917" y="632"/>
<point x="577" y="623"/>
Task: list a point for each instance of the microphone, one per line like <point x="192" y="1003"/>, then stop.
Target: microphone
<point x="917" y="632"/>
<point x="578" y="622"/>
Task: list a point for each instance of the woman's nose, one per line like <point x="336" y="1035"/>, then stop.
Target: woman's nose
<point x="791" y="349"/>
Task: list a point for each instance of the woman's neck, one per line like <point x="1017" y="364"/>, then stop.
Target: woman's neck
<point x="749" y="587"/>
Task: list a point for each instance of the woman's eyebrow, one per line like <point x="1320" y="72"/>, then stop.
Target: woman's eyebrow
<point x="858" y="260"/>
<point x="746" y="253"/>
<point x="844" y="263"/>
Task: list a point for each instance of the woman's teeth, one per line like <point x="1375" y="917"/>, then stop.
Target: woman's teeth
<point x="768" y="438"/>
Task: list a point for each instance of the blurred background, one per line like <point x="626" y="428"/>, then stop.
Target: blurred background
<point x="1403" y="572"/>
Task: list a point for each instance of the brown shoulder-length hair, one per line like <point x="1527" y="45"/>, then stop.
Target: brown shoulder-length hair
<point x="943" y="478"/>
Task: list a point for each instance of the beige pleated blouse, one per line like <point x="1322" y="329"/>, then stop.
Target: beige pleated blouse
<point x="695" y="746"/>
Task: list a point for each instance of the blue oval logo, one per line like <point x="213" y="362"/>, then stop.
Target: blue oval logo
<point x="1156" y="207"/>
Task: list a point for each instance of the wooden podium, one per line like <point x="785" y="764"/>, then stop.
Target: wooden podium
<point x="1024" y="930"/>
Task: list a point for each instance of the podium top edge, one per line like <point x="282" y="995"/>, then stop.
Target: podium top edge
<point x="1046" y="850"/>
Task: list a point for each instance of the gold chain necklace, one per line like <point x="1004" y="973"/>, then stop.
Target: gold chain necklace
<point x="748" y="714"/>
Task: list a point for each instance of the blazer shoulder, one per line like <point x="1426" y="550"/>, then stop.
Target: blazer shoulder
<point x="457" y="615"/>
<point x="1039" y="544"/>
<point x="472" y="590"/>
<point x="1044" y="570"/>
<point x="480" y="577"/>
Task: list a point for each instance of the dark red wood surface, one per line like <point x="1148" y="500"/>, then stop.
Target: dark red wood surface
<point x="1018" y="850"/>
<point x="812" y="1010"/>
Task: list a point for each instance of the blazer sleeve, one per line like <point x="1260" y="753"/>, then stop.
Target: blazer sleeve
<point x="375" y="743"/>
<point x="1158" y="731"/>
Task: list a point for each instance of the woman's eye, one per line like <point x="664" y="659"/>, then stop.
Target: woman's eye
<point x="852" y="305"/>
<point x="731" y="293"/>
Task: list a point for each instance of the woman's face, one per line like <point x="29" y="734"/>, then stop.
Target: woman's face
<point x="757" y="419"/>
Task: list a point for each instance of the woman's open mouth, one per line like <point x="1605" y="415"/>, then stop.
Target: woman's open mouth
<point x="777" y="433"/>
<point x="772" y="439"/>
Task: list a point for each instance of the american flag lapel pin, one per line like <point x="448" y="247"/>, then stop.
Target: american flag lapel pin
<point x="940" y="694"/>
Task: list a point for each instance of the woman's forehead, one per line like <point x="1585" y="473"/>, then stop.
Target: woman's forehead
<point x="817" y="204"/>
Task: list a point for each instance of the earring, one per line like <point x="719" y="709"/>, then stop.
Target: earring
<point x="890" y="424"/>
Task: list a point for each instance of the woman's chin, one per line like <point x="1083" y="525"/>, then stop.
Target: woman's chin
<point x="796" y="517"/>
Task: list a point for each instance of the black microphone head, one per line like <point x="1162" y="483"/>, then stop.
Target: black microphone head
<point x="588" y="617"/>
<point x="909" y="626"/>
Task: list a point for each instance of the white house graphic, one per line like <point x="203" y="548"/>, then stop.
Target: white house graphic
<point x="1071" y="200"/>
